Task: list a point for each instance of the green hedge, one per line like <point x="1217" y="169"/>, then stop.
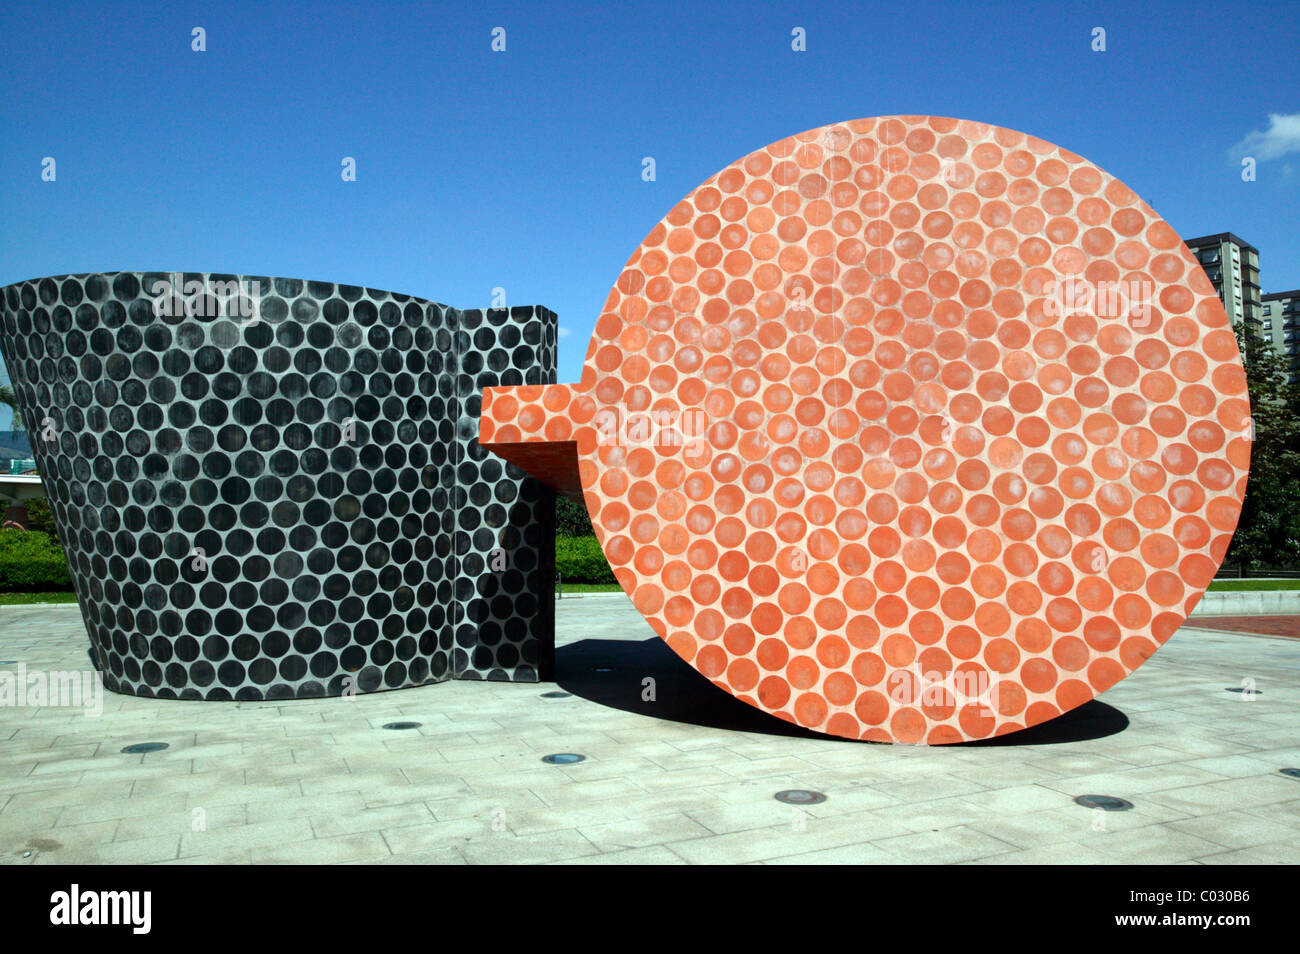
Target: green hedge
<point x="581" y="560"/>
<point x="31" y="560"/>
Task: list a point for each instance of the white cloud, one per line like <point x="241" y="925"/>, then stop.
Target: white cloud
<point x="1281" y="138"/>
<point x="564" y="331"/>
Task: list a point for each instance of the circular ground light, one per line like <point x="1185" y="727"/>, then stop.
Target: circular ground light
<point x="402" y="725"/>
<point x="1107" y="803"/>
<point x="800" y="796"/>
<point x="141" y="747"/>
<point x="1290" y="772"/>
<point x="563" y="758"/>
<point x="557" y="695"/>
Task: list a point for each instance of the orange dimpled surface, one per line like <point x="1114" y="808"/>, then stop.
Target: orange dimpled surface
<point x="904" y="429"/>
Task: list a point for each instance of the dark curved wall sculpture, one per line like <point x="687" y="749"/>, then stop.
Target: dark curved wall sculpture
<point x="270" y="488"/>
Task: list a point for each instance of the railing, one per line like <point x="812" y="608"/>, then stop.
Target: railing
<point x="1240" y="573"/>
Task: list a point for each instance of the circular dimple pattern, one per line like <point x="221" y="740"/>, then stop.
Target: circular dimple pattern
<point x="283" y="497"/>
<point x="905" y="479"/>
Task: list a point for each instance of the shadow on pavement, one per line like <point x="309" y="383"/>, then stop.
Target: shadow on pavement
<point x="611" y="672"/>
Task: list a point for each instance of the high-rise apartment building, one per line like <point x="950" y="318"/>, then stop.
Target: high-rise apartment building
<point x="1232" y="265"/>
<point x="1281" y="325"/>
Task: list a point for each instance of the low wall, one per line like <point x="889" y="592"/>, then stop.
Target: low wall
<point x="1260" y="603"/>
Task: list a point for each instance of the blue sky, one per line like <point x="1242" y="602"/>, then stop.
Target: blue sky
<point x="522" y="169"/>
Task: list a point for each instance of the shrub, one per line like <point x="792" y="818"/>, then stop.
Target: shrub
<point x="39" y="516"/>
<point x="581" y="560"/>
<point x="31" y="560"/>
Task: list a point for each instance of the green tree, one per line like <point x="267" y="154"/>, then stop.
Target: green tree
<point x="39" y="517"/>
<point x="1268" y="534"/>
<point x="10" y="400"/>
<point x="571" y="519"/>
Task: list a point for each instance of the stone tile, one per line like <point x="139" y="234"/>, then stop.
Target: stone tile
<point x="467" y="805"/>
<point x="746" y="817"/>
<point x="1152" y="845"/>
<point x="1230" y="766"/>
<point x="1017" y="799"/>
<point x="318" y="780"/>
<point x="1037" y="829"/>
<point x="64" y="794"/>
<point x="140" y="851"/>
<point x="1059" y="853"/>
<point x="1133" y="782"/>
<point x="929" y="788"/>
<point x="180" y="821"/>
<point x="1282" y="812"/>
<point x="947" y="846"/>
<point x="641" y="832"/>
<point x="851" y="798"/>
<point x="326" y="825"/>
<point x="863" y="854"/>
<point x="533" y="821"/>
<point x="364" y="782"/>
<point x="437" y="856"/>
<point x="527" y="849"/>
<point x="1269" y="854"/>
<point x="363" y="846"/>
<point x="233" y="856"/>
<point x="1237" y="829"/>
<point x="51" y="841"/>
<point x="278" y="832"/>
<point x="651" y="855"/>
<point x="122" y="808"/>
<point x="762" y="844"/>
<point x="1239" y="793"/>
<point x="437" y="835"/>
<point x="337" y="803"/>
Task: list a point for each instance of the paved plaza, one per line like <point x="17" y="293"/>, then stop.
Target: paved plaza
<point x="688" y="777"/>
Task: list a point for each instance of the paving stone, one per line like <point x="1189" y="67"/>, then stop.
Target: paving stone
<point x="946" y="846"/>
<point x="318" y="781"/>
<point x="761" y="844"/>
<point x="1059" y="853"/>
<point x="527" y="849"/>
<point x="329" y="824"/>
<point x="651" y="855"/>
<point x="1017" y="799"/>
<point x="140" y="851"/>
<point x="641" y="832"/>
<point x="362" y="846"/>
<point x="1237" y="829"/>
<point x="1151" y="845"/>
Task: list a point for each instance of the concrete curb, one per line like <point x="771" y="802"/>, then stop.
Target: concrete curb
<point x="5" y="606"/>
<point x="1250" y="603"/>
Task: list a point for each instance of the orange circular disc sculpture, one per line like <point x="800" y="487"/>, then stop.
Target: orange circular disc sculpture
<point x="904" y="429"/>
